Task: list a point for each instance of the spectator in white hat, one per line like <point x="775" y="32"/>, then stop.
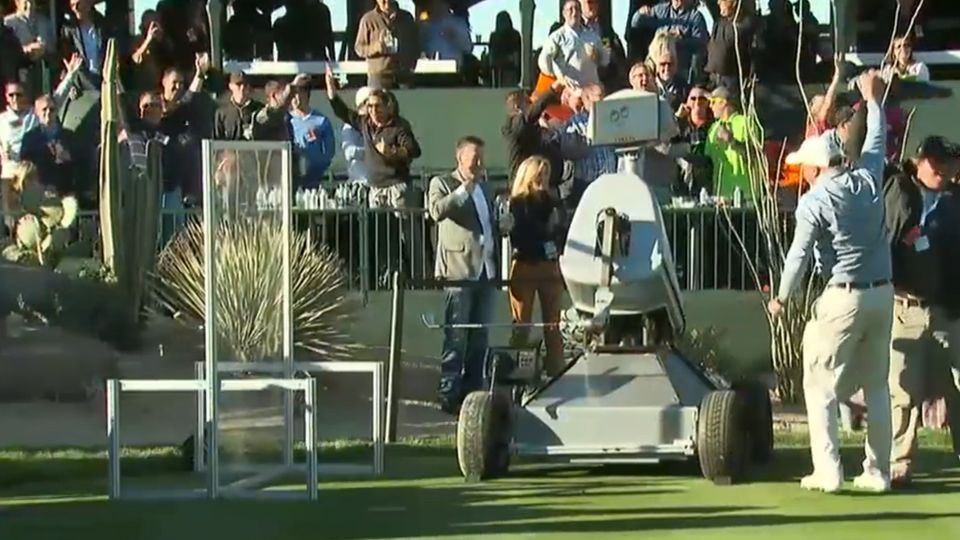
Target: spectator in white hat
<point x="846" y="345"/>
<point x="352" y="141"/>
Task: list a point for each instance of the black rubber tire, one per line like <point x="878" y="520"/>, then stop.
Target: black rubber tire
<point x="758" y="419"/>
<point x="721" y="444"/>
<point x="483" y="435"/>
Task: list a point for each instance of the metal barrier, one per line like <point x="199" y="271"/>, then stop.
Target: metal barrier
<point x="375" y="242"/>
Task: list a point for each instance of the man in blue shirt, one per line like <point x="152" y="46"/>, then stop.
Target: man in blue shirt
<point x="682" y="19"/>
<point x="313" y="139"/>
<point x="846" y="343"/>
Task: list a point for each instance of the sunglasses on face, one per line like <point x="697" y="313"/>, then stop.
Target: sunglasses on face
<point x="699" y="99"/>
<point x="14" y="94"/>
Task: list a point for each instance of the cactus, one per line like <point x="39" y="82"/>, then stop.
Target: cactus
<point x="129" y="199"/>
<point x="42" y="234"/>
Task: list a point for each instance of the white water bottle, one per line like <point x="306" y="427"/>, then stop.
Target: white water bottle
<point x="298" y="198"/>
<point x="261" y="198"/>
<point x="704" y="197"/>
<point x="737" y="197"/>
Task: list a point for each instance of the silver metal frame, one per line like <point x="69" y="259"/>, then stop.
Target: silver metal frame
<point x="240" y="488"/>
<point x="375" y="369"/>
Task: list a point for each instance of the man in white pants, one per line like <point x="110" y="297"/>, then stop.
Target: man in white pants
<point x="846" y="343"/>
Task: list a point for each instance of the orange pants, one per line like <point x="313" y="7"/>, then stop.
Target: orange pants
<point x="541" y="279"/>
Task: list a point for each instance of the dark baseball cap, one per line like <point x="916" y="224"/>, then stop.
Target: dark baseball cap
<point x="938" y="148"/>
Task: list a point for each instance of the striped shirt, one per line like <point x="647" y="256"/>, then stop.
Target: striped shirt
<point x="841" y="220"/>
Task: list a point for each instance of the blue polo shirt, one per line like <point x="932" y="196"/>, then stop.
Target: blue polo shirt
<point x="314" y="143"/>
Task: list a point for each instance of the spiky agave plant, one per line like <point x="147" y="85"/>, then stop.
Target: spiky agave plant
<point x="249" y="283"/>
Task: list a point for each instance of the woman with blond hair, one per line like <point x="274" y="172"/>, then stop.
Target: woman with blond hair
<point x="534" y="270"/>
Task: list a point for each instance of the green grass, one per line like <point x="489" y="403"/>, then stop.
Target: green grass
<point x="59" y="494"/>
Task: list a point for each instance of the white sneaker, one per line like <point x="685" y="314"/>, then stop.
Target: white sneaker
<point x="874" y="482"/>
<point x="814" y="482"/>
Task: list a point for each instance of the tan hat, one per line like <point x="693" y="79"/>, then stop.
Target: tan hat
<point x="817" y="151"/>
<point x="362" y="95"/>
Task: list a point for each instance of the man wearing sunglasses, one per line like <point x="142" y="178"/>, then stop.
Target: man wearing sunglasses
<point x="19" y="118"/>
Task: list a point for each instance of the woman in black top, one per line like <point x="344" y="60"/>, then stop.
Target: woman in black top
<point x="535" y="270"/>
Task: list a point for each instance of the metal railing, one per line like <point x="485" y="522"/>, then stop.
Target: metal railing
<point x="372" y="243"/>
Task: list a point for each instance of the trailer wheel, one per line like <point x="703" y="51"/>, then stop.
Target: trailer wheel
<point x="483" y="435"/>
<point x="721" y="445"/>
<point x="758" y="419"/>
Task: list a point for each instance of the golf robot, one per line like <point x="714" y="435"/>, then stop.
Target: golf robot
<point x="628" y="396"/>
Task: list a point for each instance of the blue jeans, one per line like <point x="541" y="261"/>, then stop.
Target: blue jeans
<point x="461" y="363"/>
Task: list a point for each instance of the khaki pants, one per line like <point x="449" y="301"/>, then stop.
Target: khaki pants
<point x="922" y="363"/>
<point x="538" y="279"/>
<point x="846" y="347"/>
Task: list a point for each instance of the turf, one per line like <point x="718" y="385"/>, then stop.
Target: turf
<point x="60" y="494"/>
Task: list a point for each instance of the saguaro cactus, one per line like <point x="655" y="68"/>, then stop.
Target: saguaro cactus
<point x="129" y="199"/>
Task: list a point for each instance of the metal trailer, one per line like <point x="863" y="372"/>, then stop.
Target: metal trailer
<point x="628" y="396"/>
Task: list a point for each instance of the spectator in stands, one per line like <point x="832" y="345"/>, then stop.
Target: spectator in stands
<point x="734" y="29"/>
<point x="23" y="176"/>
<point x="901" y="63"/>
<point x="611" y="75"/>
<point x="390" y="144"/>
<point x="388" y="39"/>
<point x="152" y="54"/>
<point x="726" y="146"/>
<point x="694" y="120"/>
<point x="390" y="147"/>
<point x="86" y="34"/>
<point x="823" y="107"/>
<point x="179" y="107"/>
<point x="248" y="35"/>
<point x="662" y="56"/>
<point x="534" y="271"/>
<point x="271" y="122"/>
<point x="505" y="47"/>
<point x="523" y="134"/>
<point x="643" y="77"/>
<point x="38" y="40"/>
<point x="19" y="118"/>
<point x="48" y="147"/>
<point x="445" y="36"/>
<point x="352" y="141"/>
<point x="12" y="57"/>
<point x="596" y="160"/>
<point x="234" y="119"/>
<point x="681" y="19"/>
<point x="313" y="139"/>
<point x="305" y="32"/>
<point x="574" y="53"/>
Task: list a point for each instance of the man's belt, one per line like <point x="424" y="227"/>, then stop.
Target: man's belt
<point x="859" y="286"/>
<point x="910" y="301"/>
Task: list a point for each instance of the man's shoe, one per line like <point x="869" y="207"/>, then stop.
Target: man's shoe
<point x="813" y="482"/>
<point x="877" y="483"/>
<point x="901" y="480"/>
<point x="449" y="405"/>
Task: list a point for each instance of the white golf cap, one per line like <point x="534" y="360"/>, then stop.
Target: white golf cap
<point x="817" y="151"/>
<point x="362" y="95"/>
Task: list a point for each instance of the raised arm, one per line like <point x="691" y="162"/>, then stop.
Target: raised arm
<point x="344" y="113"/>
<point x="873" y="157"/>
<point x="441" y="202"/>
<point x="62" y="90"/>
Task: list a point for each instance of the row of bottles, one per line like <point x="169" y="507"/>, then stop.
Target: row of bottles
<point x="345" y="196"/>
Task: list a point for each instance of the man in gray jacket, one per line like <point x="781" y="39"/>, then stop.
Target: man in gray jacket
<point x="462" y="207"/>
